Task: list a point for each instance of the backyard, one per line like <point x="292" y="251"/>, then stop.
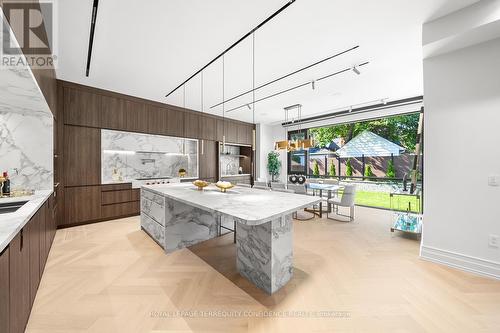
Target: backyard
<point x="383" y="200"/>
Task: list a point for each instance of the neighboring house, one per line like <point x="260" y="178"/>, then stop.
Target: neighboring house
<point x="369" y="144"/>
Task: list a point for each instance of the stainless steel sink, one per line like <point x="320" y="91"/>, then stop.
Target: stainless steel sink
<point x="10" y="207"/>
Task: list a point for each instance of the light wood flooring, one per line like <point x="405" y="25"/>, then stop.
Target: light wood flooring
<point x="111" y="277"/>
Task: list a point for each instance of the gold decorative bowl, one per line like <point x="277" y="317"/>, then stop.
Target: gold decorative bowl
<point x="200" y="184"/>
<point x="224" y="186"/>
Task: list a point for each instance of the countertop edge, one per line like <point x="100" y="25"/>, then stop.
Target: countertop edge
<point x="245" y="221"/>
<point x="14" y="223"/>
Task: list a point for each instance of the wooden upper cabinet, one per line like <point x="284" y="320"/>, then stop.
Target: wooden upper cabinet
<point x="231" y="131"/>
<point x="123" y="114"/>
<point x="219" y="127"/>
<point x="208" y="127"/>
<point x="82" y="156"/>
<point x="82" y="108"/>
<point x="244" y="134"/>
<point x="192" y="125"/>
<point x="175" y="123"/>
<point x="157" y="119"/>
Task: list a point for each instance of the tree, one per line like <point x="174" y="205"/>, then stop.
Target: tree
<point x="315" y="169"/>
<point x="398" y="129"/>
<point x="348" y="168"/>
<point x="332" y="172"/>
<point x="368" y="171"/>
<point x="391" y="171"/>
<point x="273" y="164"/>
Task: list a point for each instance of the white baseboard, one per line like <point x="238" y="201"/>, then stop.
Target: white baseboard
<point x="460" y="261"/>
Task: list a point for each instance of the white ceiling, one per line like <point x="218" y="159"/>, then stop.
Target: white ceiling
<point x="146" y="48"/>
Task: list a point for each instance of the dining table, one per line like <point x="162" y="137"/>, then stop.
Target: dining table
<point x="320" y="187"/>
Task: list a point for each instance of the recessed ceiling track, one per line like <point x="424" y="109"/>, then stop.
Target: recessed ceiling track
<point x="91" y="39"/>
<point x="301" y="85"/>
<point x="234" y="44"/>
<point x="287" y="75"/>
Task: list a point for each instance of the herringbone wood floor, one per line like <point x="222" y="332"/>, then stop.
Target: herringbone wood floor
<point x="111" y="277"/>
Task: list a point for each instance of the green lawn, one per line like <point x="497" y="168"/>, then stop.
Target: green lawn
<point x="382" y="200"/>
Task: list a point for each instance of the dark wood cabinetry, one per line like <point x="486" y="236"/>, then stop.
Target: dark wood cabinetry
<point x="208" y="160"/>
<point x="82" y="204"/>
<point x="191" y="125"/>
<point x="208" y="128"/>
<point x="82" y="156"/>
<point x="119" y="201"/>
<point x="4" y="291"/>
<point x="82" y="108"/>
<point x="19" y="268"/>
<point x="122" y="114"/>
<point x="175" y="123"/>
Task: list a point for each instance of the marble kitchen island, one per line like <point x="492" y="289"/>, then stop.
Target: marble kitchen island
<point x="179" y="215"/>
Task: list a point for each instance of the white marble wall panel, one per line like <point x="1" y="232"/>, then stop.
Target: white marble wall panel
<point x="187" y="225"/>
<point x="265" y="253"/>
<point x="25" y="130"/>
<point x="229" y="165"/>
<point x="136" y="155"/>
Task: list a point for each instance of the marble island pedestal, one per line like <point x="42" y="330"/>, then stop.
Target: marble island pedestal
<point x="178" y="216"/>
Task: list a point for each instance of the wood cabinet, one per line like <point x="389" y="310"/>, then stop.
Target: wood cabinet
<point x="231" y="131"/>
<point x="19" y="269"/>
<point x="33" y="235"/>
<point x="4" y="291"/>
<point x="123" y="114"/>
<point x="192" y="125"/>
<point x="175" y="123"/>
<point x="82" y="156"/>
<point x="82" y="204"/>
<point x="157" y="122"/>
<point x="208" y="128"/>
<point x="208" y="160"/>
<point x="82" y="108"/>
<point x="245" y="134"/>
<point x="119" y="200"/>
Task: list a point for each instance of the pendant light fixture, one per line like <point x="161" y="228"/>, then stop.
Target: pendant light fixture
<point x="184" y="106"/>
<point x="201" y="99"/>
<point x="297" y="144"/>
<point x="253" y="93"/>
<point x="223" y="105"/>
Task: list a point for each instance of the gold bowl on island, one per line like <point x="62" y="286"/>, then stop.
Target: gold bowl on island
<point x="200" y="184"/>
<point x="224" y="186"/>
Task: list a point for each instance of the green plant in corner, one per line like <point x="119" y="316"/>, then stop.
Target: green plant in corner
<point x="348" y="168"/>
<point x="391" y="171"/>
<point x="273" y="164"/>
<point x="315" y="169"/>
<point x="368" y="171"/>
<point x="332" y="172"/>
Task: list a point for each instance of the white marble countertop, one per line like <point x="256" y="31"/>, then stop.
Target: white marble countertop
<point x="250" y="206"/>
<point x="12" y="223"/>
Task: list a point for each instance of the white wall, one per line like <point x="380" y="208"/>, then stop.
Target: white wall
<point x="267" y="135"/>
<point x="462" y="147"/>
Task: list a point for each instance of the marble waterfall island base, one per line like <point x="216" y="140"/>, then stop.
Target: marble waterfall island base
<point x="179" y="215"/>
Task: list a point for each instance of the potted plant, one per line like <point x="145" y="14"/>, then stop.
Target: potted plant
<point x="273" y="165"/>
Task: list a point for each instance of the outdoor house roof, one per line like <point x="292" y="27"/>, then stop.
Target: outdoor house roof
<point x="369" y="144"/>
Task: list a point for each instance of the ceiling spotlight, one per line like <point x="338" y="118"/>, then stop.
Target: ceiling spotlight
<point x="249" y="107"/>
<point x="356" y="70"/>
<point x="350" y="108"/>
<point x="313" y="85"/>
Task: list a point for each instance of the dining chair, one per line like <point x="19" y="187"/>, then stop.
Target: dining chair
<point x="302" y="215"/>
<point x="346" y="200"/>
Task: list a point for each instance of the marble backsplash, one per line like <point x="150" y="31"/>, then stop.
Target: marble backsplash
<point x="229" y="163"/>
<point x="26" y="130"/>
<point x="135" y="155"/>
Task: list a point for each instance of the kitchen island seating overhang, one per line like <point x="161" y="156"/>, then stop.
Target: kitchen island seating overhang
<point x="180" y="215"/>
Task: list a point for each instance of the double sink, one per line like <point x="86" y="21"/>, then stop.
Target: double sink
<point x="11" y="207"/>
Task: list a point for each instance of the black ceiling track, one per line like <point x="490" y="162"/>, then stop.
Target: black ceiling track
<point x="234" y="44"/>
<point x="92" y="31"/>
